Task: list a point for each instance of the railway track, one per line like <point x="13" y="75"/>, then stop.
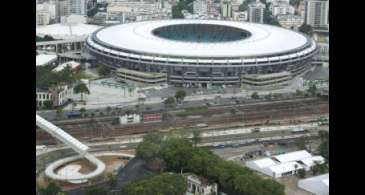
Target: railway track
<point x="251" y="113"/>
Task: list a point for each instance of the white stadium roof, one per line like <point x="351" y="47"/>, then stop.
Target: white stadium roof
<point x="63" y="31"/>
<point x="318" y="185"/>
<point x="264" y="39"/>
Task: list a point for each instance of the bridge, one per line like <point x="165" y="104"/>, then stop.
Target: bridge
<point x="77" y="146"/>
<point x="61" y="46"/>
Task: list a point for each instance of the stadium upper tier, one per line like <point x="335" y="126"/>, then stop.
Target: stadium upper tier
<point x="162" y="38"/>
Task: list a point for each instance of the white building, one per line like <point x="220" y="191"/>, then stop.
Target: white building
<point x="45" y="59"/>
<point x="78" y="7"/>
<point x="240" y="16"/>
<point x="43" y="17"/>
<point x="130" y="119"/>
<point x="74" y="66"/>
<point x="200" y="186"/>
<point x="200" y="7"/>
<point x="58" y="95"/>
<point x="317" y="13"/>
<point x="285" y="164"/>
<point x="62" y="9"/>
<point x="290" y="21"/>
<point x="226" y="9"/>
<point x="48" y="7"/>
<point x="256" y="12"/>
<point x="281" y="8"/>
<point x="318" y="185"/>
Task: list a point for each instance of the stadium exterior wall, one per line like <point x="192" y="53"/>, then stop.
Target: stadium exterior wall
<point x="203" y="71"/>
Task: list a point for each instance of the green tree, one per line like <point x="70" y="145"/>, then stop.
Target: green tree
<point x="164" y="184"/>
<point x="108" y="109"/>
<point x="104" y="71"/>
<point x="312" y="89"/>
<point x="112" y="179"/>
<point x="180" y="95"/>
<point x="306" y="29"/>
<point x="196" y="137"/>
<point x="81" y="89"/>
<point x="299" y="92"/>
<point x="51" y="189"/>
<point x="244" y="5"/>
<point x="170" y="102"/>
<point x="301" y="143"/>
<point x="59" y="111"/>
<point x="82" y="111"/>
<point x="255" y="95"/>
<point x="149" y="150"/>
<point x="96" y="191"/>
<point x="294" y="2"/>
<point x="48" y="105"/>
<point x="301" y="173"/>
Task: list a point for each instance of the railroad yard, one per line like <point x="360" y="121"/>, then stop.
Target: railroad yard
<point x="214" y="118"/>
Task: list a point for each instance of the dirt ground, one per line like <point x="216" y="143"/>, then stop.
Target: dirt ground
<point x="291" y="187"/>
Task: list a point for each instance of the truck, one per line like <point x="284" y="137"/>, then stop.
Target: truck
<point x="73" y="114"/>
<point x="298" y="130"/>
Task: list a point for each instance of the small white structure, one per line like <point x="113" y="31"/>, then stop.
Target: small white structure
<point x="66" y="31"/>
<point x="130" y="119"/>
<point x="74" y="65"/>
<point x="285" y="164"/>
<point x="318" y="185"/>
<point x="200" y="186"/>
<point x="45" y="59"/>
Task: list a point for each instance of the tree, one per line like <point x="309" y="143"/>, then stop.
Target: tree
<point x="196" y="137"/>
<point x="48" y="104"/>
<point x="103" y="70"/>
<point x="96" y="191"/>
<point x="82" y="89"/>
<point x="301" y="173"/>
<point x="170" y="102"/>
<point x="163" y="184"/>
<point x="59" y="111"/>
<point x="312" y="89"/>
<point x="51" y="189"/>
<point x="112" y="179"/>
<point x="301" y="143"/>
<point x="299" y="92"/>
<point x="294" y="2"/>
<point x="180" y="95"/>
<point x="82" y="111"/>
<point x="255" y="95"/>
<point x="244" y="5"/>
<point x="306" y="29"/>
<point x="233" y="111"/>
<point x="108" y="109"/>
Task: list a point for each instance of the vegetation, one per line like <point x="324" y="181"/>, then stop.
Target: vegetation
<point x="312" y="89"/>
<point x="294" y="2"/>
<point x="180" y="95"/>
<point x="182" y="5"/>
<point x="255" y="95"/>
<point x="45" y="38"/>
<point x="51" y="189"/>
<point x="81" y="89"/>
<point x="48" y="104"/>
<point x="112" y="179"/>
<point x="46" y="78"/>
<point x="196" y="137"/>
<point x="244" y="5"/>
<point x="104" y="71"/>
<point x="319" y="168"/>
<point x="180" y="156"/>
<point x="301" y="173"/>
<point x="164" y="184"/>
<point x="301" y="143"/>
<point x="170" y="102"/>
<point x="96" y="191"/>
<point x="323" y="148"/>
<point x="269" y="18"/>
<point x="306" y="29"/>
<point x="196" y="109"/>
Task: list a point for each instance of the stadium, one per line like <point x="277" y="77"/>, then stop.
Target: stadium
<point x="202" y="53"/>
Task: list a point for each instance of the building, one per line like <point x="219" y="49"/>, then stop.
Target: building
<point x="318" y="185"/>
<point x="256" y="12"/>
<point x="240" y="16"/>
<point x="78" y="7"/>
<point x="75" y="66"/>
<point x="281" y="8"/>
<point x="141" y="77"/>
<point x="62" y="9"/>
<point x="45" y="59"/>
<point x="43" y="17"/>
<point x="285" y="164"/>
<point x="200" y="185"/>
<point x="188" y="58"/>
<point x="317" y="13"/>
<point x="130" y="119"/>
<point x="290" y="21"/>
<point x="226" y="9"/>
<point x="200" y="7"/>
<point x="49" y="8"/>
<point x="57" y="96"/>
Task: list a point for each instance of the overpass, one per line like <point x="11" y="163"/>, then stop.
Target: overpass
<point x="77" y="146"/>
<point x="61" y="46"/>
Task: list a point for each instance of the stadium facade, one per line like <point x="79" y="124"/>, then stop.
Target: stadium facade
<point x="203" y="52"/>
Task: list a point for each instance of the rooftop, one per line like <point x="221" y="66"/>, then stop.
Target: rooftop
<point x="64" y="31"/>
<point x="139" y="37"/>
<point x="293" y="156"/>
<point x="44" y="59"/>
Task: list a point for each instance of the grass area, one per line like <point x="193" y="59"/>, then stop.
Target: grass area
<point x="84" y="75"/>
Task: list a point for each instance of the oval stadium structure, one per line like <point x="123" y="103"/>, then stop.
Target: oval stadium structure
<point x="202" y="52"/>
